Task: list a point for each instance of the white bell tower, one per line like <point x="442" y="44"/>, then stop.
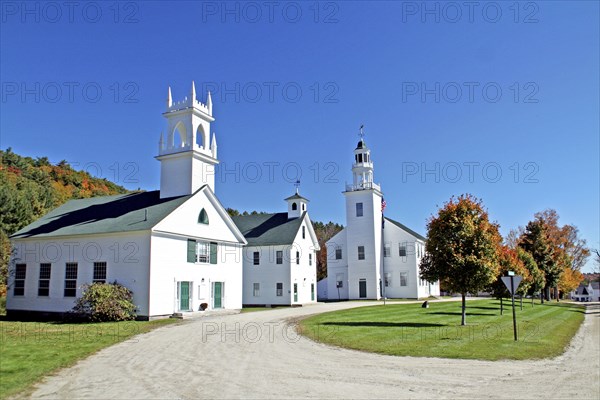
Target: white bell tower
<point x="364" y="227"/>
<point x="186" y="153"/>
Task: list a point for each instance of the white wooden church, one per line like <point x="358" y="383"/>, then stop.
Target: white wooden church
<point x="373" y="256"/>
<point x="175" y="248"/>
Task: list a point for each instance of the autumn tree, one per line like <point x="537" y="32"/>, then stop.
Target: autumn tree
<point x="324" y="233"/>
<point x="509" y="260"/>
<point x="537" y="280"/>
<point x="569" y="280"/>
<point x="462" y="248"/>
<point x="536" y="242"/>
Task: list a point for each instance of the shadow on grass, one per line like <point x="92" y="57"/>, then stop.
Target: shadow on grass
<point x="384" y="324"/>
<point x="460" y="313"/>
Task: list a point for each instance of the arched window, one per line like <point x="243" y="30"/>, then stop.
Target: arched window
<point x="203" y="217"/>
<point x="294" y="206"/>
<point x="303" y="207"/>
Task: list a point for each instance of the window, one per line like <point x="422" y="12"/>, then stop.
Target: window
<point x="256" y="258"/>
<point x="310" y="259"/>
<point x="303" y="232"/>
<point x="387" y="251"/>
<point x="359" y="209"/>
<point x="20" y="273"/>
<point x="203" y="217"/>
<point x="202" y="252"/>
<point x="339" y="281"/>
<point x="279" y="289"/>
<point x="44" y="282"/>
<point x="294" y="206"/>
<point x="99" y="272"/>
<point x="297" y="257"/>
<point x="71" y="280"/>
<point x="279" y="257"/>
<point x="256" y="291"/>
<point x="361" y="252"/>
<point x="338" y="253"/>
<point x="402" y="250"/>
<point x="403" y="278"/>
<point x="312" y="292"/>
<point x="388" y="279"/>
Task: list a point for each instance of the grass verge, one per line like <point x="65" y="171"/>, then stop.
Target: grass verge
<point x="409" y="330"/>
<point x="31" y="350"/>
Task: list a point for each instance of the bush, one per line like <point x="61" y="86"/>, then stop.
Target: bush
<point x="105" y="302"/>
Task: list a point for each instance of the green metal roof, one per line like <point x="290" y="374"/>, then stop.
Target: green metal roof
<point x="406" y="228"/>
<point x="296" y="197"/>
<point x="268" y="229"/>
<point x="106" y="214"/>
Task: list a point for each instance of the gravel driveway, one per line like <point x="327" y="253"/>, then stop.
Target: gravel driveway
<point x="258" y="355"/>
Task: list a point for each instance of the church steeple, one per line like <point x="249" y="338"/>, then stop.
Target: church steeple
<point x="187" y="155"/>
<point x="362" y="168"/>
<point x="296" y="203"/>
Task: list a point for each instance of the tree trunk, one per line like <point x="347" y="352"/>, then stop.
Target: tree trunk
<point x="556" y="294"/>
<point x="542" y="296"/>
<point x="464" y="309"/>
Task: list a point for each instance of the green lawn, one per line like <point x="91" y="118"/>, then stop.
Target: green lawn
<point x="31" y="350"/>
<point x="409" y="330"/>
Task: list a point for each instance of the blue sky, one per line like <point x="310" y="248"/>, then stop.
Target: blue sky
<point x="501" y="100"/>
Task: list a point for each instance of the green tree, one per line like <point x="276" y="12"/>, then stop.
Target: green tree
<point x="462" y="248"/>
<point x="536" y="242"/>
<point x="537" y="279"/>
<point x="509" y="260"/>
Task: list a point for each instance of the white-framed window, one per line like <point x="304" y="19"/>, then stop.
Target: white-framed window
<point x="279" y="257"/>
<point x="99" y="272"/>
<point x="20" y="275"/>
<point x="361" y="252"/>
<point x="256" y="258"/>
<point x="338" y="253"/>
<point x="303" y="232"/>
<point x="70" y="279"/>
<point x="297" y="257"/>
<point x="388" y="279"/>
<point x="387" y="250"/>
<point x="256" y="290"/>
<point x="359" y="209"/>
<point x="402" y="250"/>
<point x="309" y="258"/>
<point x="279" y="289"/>
<point x="202" y="252"/>
<point x="403" y="278"/>
<point x="44" y="282"/>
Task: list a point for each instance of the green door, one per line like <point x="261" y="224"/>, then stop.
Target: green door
<point x="218" y="293"/>
<point x="362" y="288"/>
<point x="295" y="292"/>
<point x="184" y="296"/>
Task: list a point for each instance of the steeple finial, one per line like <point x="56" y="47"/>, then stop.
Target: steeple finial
<point x="193" y="92"/>
<point x="297" y="185"/>
<point x="361" y="134"/>
<point x="169" y="98"/>
<point x="209" y="103"/>
<point x="213" y="145"/>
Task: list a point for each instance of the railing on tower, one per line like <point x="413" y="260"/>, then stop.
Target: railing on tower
<point x="362" y="186"/>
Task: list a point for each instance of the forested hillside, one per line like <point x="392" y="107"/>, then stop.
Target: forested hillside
<point x="29" y="188"/>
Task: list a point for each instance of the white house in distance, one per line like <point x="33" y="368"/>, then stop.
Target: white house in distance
<point x="373" y="256"/>
<point x="280" y="258"/>
<point x="589" y="292"/>
<point x="175" y="248"/>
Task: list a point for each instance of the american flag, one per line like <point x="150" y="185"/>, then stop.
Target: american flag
<point x="383" y="204"/>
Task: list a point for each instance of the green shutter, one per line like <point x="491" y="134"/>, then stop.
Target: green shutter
<point x="213" y="253"/>
<point x="191" y="251"/>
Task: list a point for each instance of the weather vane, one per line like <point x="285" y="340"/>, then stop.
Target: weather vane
<point x="361" y="133"/>
<point x="297" y="185"/>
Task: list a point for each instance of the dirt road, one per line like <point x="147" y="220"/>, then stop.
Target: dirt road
<point x="259" y="355"/>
